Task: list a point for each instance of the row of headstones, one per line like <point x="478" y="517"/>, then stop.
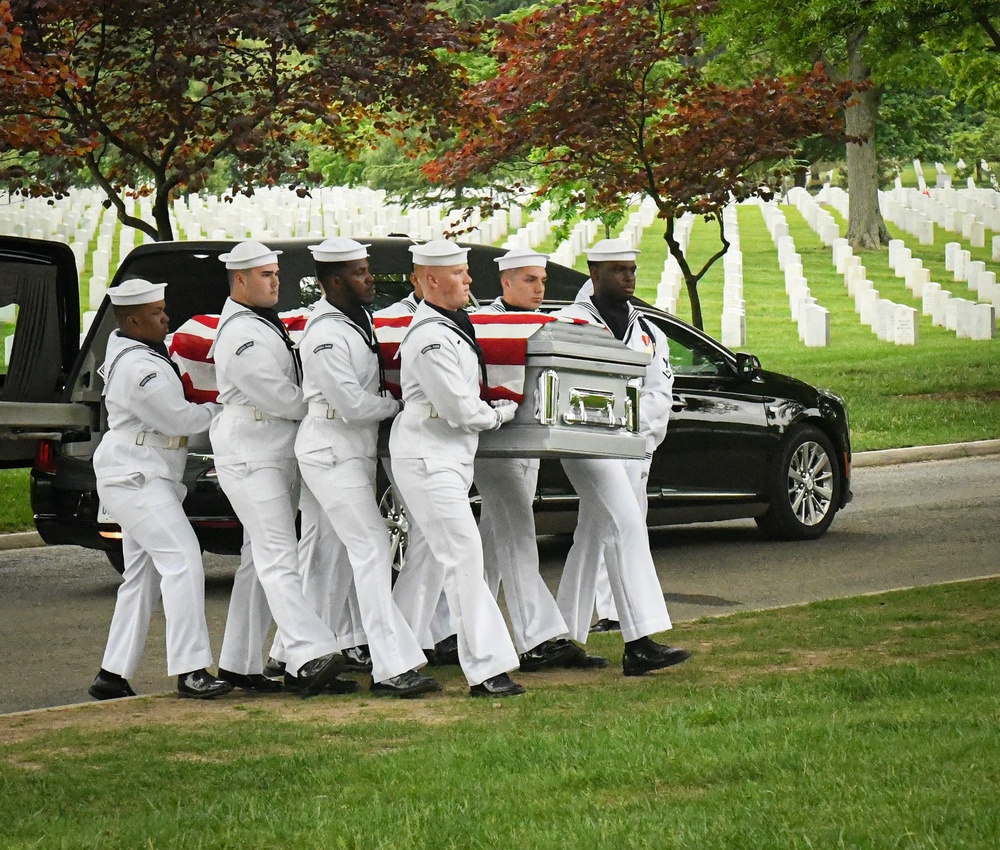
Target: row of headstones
<point x="812" y="319"/>
<point x="889" y="321"/>
<point x="583" y="234"/>
<point x="734" y="306"/>
<point x="969" y="212"/>
<point x="276" y="213"/>
<point x="970" y="320"/>
<point x="820" y="221"/>
<point x="668" y="290"/>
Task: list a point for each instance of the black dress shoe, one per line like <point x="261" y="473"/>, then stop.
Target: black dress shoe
<point x="313" y="675"/>
<point x="274" y="669"/>
<point x="358" y="659"/>
<point x="549" y="653"/>
<point x="200" y="684"/>
<point x="579" y="659"/>
<point x="335" y="687"/>
<point x="605" y="625"/>
<point x="445" y="652"/>
<point x="497" y="686"/>
<point x="644" y="655"/>
<point x="254" y="682"/>
<point x="110" y="686"/>
<point x="408" y="684"/>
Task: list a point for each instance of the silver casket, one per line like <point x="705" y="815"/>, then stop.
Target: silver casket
<point x="581" y="398"/>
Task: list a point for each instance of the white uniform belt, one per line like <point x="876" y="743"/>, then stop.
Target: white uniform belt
<point x="157" y="440"/>
<point x="426" y="410"/>
<point x="322" y="410"/>
<point x="248" y="411"/>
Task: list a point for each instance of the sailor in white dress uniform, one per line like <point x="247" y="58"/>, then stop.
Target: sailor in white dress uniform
<point x="419" y="596"/>
<point x="139" y="466"/>
<point x="611" y="524"/>
<point x="343" y="386"/>
<point x="257" y="372"/>
<point x="433" y="444"/>
<point x="506" y="487"/>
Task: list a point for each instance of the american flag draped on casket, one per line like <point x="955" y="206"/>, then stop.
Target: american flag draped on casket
<point x="503" y="338"/>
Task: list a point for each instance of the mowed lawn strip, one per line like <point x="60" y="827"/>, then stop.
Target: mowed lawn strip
<point x="868" y="722"/>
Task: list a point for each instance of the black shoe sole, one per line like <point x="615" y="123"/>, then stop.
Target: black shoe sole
<point x="484" y="694"/>
<point x="642" y="670"/>
<point x="556" y="659"/>
<point x="273" y="686"/>
<point x="406" y="693"/>
<point x="211" y="694"/>
<point x="104" y="695"/>
<point x="323" y="677"/>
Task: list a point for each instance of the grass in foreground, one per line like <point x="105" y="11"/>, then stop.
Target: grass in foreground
<point x="869" y="723"/>
<point x="15" y="506"/>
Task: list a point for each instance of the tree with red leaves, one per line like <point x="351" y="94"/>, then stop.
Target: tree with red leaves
<point x="612" y="98"/>
<point x="148" y="96"/>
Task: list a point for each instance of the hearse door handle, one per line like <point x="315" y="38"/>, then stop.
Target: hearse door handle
<point x="679" y="403"/>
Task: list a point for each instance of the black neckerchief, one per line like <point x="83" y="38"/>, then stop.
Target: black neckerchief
<point x="464" y="324"/>
<point x="615" y="315"/>
<point x="460" y="318"/>
<point x="269" y="314"/>
<point x="161" y="349"/>
<point x="510" y="308"/>
<point x="361" y="318"/>
<point x="158" y="348"/>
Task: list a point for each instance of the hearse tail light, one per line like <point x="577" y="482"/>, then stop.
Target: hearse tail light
<point x="45" y="457"/>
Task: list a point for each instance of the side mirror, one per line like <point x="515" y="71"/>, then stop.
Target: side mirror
<point x="747" y="365"/>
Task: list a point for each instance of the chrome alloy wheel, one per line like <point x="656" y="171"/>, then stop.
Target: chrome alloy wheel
<point x="810" y="483"/>
<point x="398" y="524"/>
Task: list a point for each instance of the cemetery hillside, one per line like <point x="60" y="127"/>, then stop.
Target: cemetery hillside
<point x="906" y="334"/>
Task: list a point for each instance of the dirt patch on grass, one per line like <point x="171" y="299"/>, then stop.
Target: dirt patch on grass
<point x="167" y="710"/>
<point x="985" y="396"/>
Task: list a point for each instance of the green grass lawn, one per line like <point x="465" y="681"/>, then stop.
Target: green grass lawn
<point x="863" y="723"/>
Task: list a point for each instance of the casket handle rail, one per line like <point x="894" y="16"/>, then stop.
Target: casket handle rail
<point x="592" y="407"/>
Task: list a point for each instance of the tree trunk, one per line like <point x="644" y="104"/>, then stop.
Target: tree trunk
<point x="865" y="226"/>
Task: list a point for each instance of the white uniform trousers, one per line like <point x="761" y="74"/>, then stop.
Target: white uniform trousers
<point x="346" y="493"/>
<point x="437" y="492"/>
<point x="162" y="557"/>
<point x="247" y="621"/>
<point x="610" y="524"/>
<point x="419" y="587"/>
<point x="264" y="495"/>
<point x="510" y="552"/>
<point x="638" y="476"/>
<point x="326" y="573"/>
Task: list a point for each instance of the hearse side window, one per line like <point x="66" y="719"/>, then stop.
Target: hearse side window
<point x="690" y="355"/>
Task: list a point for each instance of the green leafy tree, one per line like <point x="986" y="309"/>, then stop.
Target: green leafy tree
<point x="149" y="95"/>
<point x="873" y="44"/>
<point x="609" y="99"/>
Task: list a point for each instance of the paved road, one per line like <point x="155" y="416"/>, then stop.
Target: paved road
<point x="911" y="524"/>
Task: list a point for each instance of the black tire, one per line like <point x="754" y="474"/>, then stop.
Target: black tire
<point x="398" y="523"/>
<point x="805" y="487"/>
<point x="117" y="559"/>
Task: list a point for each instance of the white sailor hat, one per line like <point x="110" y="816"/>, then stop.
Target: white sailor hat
<point x="129" y="293"/>
<point x="610" y="249"/>
<point x="438" y="252"/>
<point x="249" y="255"/>
<point x="338" y="249"/>
<point x="518" y="258"/>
